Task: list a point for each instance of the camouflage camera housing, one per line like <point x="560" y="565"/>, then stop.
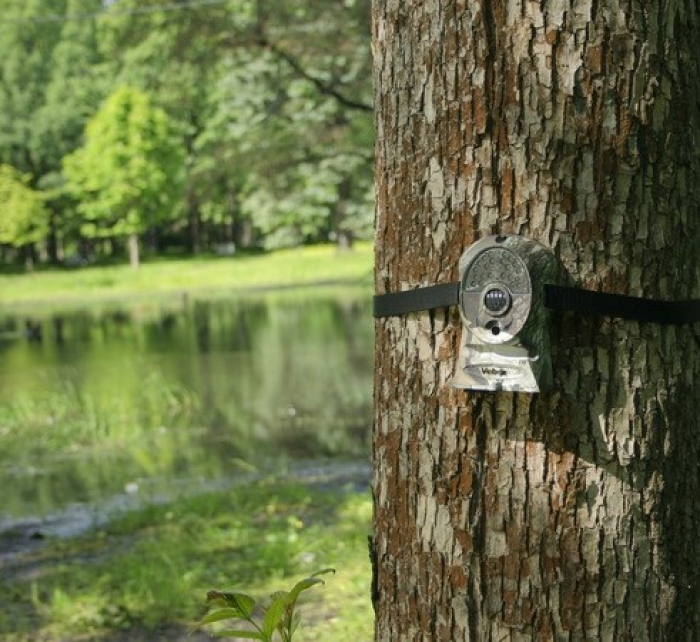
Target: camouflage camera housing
<point x="505" y="342"/>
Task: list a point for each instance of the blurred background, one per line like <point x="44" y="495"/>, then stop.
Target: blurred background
<point x="186" y="206"/>
<point x="195" y="125"/>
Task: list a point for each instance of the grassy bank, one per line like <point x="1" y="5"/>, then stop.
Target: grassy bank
<point x="145" y="577"/>
<point x="168" y="277"/>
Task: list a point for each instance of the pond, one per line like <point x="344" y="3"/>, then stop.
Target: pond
<point x="117" y="403"/>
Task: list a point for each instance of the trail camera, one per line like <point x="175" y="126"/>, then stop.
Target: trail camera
<point x="505" y="339"/>
<point x="508" y="286"/>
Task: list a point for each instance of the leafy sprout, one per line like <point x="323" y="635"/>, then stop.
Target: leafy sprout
<point x="279" y="615"/>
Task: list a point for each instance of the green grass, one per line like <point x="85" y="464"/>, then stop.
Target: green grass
<point x="167" y="277"/>
<point x="149" y="572"/>
<point x="61" y="420"/>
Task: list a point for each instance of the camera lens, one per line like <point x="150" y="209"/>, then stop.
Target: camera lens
<point x="496" y="300"/>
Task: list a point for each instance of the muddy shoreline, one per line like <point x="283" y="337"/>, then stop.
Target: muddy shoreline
<point x="26" y="537"/>
<point x="28" y="548"/>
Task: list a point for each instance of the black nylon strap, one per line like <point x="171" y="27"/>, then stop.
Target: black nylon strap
<point x="633" y="308"/>
<point x="428" y="298"/>
<point x="556" y="297"/>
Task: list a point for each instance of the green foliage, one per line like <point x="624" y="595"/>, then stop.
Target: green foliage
<point x="279" y="615"/>
<point x="61" y="420"/>
<point x="143" y="574"/>
<point x="50" y="82"/>
<point x="23" y="215"/>
<point x="269" y="112"/>
<point x="126" y="176"/>
<point x="74" y="89"/>
<point x="297" y="116"/>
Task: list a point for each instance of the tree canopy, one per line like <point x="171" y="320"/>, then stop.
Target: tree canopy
<point x="126" y="176"/>
<point x="268" y="109"/>
<point x="23" y="216"/>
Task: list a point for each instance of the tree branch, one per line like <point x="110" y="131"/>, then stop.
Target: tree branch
<point x="323" y="87"/>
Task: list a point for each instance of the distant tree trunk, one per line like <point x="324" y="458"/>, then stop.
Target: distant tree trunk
<point x="230" y="221"/>
<point x="153" y="240"/>
<point x="244" y="233"/>
<point x="29" y="257"/>
<point x="192" y="203"/>
<point x="133" y="251"/>
<point x="344" y="236"/>
<point x="53" y="246"/>
<point x="113" y="247"/>
<point x="195" y="226"/>
<point x="569" y="515"/>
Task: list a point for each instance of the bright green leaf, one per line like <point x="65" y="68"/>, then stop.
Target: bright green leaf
<point x="222" y="614"/>
<point x="303" y="585"/>
<point x="307" y="583"/>
<point x="296" y="619"/>
<point x="240" y="601"/>
<point x="275" y="612"/>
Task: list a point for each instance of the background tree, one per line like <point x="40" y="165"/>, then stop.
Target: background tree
<point x="270" y="102"/>
<point x="311" y="85"/>
<point x="569" y="514"/>
<point x="275" y="113"/>
<point x="76" y="87"/>
<point x="175" y="56"/>
<point x="307" y="158"/>
<point x="23" y="216"/>
<point x="127" y="176"/>
<point x="25" y="70"/>
<point x="50" y="84"/>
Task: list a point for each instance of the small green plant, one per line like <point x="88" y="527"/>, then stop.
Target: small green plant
<point x="279" y="615"/>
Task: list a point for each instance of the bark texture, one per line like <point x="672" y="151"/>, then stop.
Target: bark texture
<point x="570" y="515"/>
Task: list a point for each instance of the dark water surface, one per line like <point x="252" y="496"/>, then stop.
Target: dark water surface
<point x="167" y="397"/>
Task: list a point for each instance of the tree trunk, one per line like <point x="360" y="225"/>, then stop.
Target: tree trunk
<point x="53" y="243"/>
<point x="229" y="224"/>
<point x="29" y="257"/>
<point x="567" y="515"/>
<point x="195" y="224"/>
<point x="344" y="236"/>
<point x="134" y="251"/>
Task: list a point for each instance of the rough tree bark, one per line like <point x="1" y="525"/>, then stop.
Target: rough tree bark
<point x="567" y="515"/>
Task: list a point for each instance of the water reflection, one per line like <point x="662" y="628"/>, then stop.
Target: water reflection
<point x="96" y="401"/>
